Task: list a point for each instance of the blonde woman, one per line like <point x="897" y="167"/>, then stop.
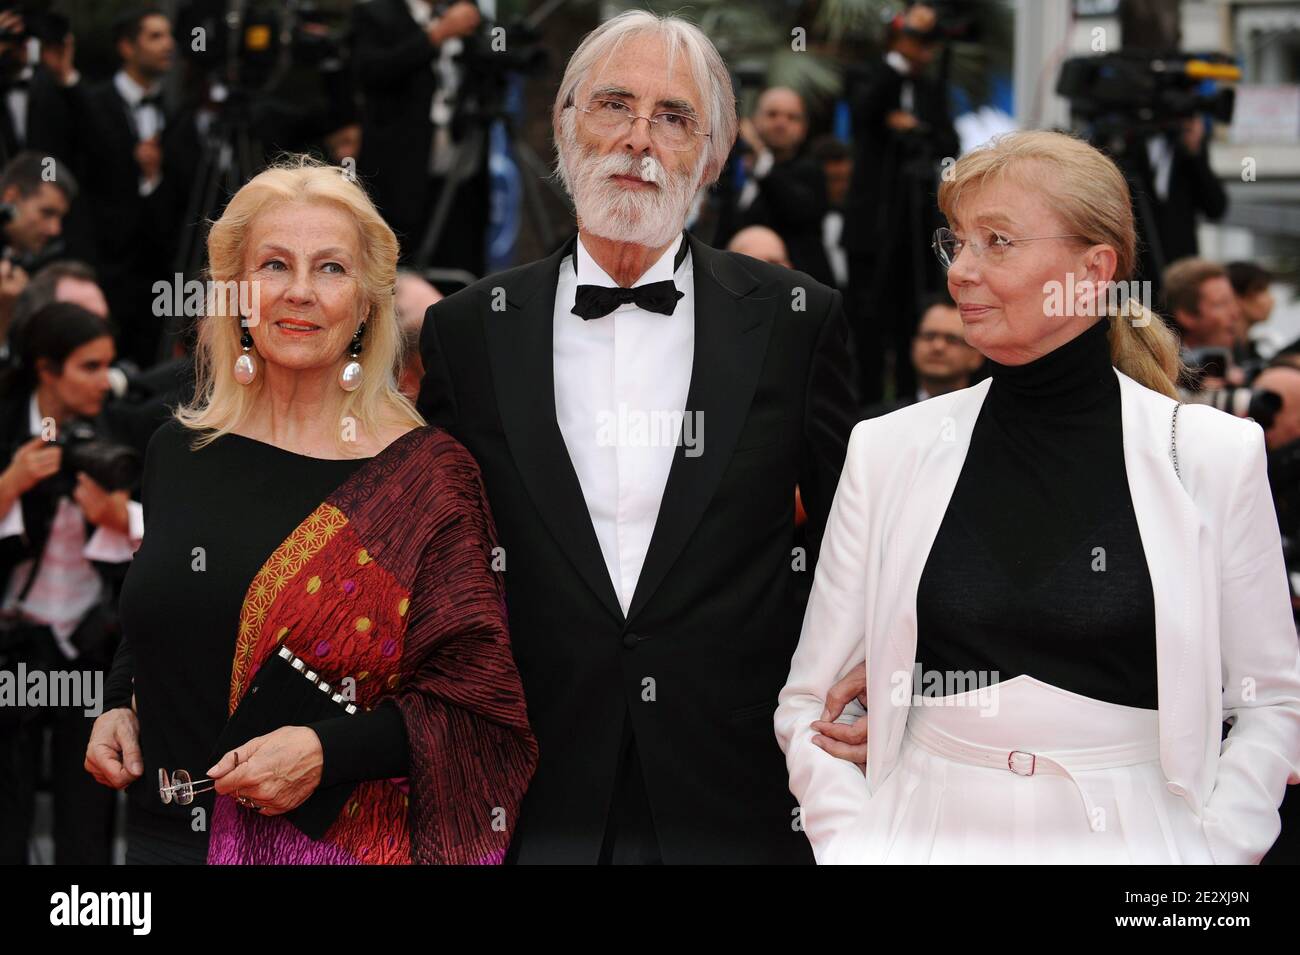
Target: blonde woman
<point x="299" y="501"/>
<point x="1060" y="582"/>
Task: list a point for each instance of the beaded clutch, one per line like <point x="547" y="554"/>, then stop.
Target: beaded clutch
<point x="287" y="692"/>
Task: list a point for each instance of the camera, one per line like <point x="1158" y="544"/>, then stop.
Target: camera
<point x="49" y="28"/>
<point x="1133" y="90"/>
<point x="111" y="465"/>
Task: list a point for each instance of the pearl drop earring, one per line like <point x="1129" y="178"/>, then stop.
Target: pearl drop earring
<point x="350" y="376"/>
<point x="245" y="367"/>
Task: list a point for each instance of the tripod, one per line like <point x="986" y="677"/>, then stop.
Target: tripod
<point x="467" y="162"/>
<point x="480" y="108"/>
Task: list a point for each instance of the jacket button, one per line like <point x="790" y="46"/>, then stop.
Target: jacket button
<point x="1177" y="790"/>
<point x="630" y="640"/>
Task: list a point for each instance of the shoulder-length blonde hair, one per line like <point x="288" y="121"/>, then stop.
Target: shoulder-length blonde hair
<point x="1090" y="195"/>
<point x="221" y="404"/>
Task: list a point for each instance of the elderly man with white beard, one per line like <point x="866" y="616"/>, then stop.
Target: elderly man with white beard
<point x="643" y="409"/>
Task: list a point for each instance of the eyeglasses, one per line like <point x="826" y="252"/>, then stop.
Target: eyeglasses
<point x="609" y="117"/>
<point x="947" y="246"/>
<point x="179" y="787"/>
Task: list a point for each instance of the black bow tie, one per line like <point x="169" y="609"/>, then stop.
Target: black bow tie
<point x="597" y="301"/>
<point x="155" y="100"/>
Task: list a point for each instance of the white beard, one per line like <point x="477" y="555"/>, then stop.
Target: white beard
<point x="651" y="218"/>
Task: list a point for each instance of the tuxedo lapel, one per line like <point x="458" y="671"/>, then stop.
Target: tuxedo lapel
<point x="733" y="321"/>
<point x="520" y="346"/>
<point x="915" y="521"/>
<point x="1170" y="528"/>
<point x="116" y="115"/>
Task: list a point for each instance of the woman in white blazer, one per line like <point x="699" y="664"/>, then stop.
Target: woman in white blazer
<point x="1061" y="582"/>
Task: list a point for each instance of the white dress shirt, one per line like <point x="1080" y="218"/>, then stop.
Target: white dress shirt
<point x="67" y="586"/>
<point x="899" y="64"/>
<point x="832" y="233"/>
<point x="16" y="99"/>
<point x="763" y="164"/>
<point x="1160" y="153"/>
<point x="617" y="379"/>
<point x="146" y="119"/>
<point x="444" y="97"/>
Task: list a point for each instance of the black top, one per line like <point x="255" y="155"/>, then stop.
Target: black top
<point x="236" y="499"/>
<point x="1038" y="566"/>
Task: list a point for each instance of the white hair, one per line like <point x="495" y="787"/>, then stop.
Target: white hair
<point x="682" y="39"/>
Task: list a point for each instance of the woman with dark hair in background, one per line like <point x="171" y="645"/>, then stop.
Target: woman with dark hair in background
<point x="61" y="532"/>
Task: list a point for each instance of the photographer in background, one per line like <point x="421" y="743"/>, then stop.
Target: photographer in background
<point x="784" y="188"/>
<point x="1171" y="172"/>
<point x="63" y="538"/>
<point x="1251" y="284"/>
<point x="901" y="132"/>
<point x="405" y="55"/>
<point x="35" y="194"/>
<point x="1199" y="298"/>
<point x="138" y="159"/>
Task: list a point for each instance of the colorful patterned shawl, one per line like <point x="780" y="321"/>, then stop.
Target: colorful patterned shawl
<point x="389" y="581"/>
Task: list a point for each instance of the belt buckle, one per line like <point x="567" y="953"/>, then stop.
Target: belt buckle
<point x="1011" y="762"/>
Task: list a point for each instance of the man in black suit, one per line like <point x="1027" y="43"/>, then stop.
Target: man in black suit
<point x="137" y="162"/>
<point x="902" y="132"/>
<point x="35" y="111"/>
<point x="35" y="193"/>
<point x="643" y="408"/>
<point x="784" y="188"/>
<point x="1173" y="186"/>
<point x="405" y="55"/>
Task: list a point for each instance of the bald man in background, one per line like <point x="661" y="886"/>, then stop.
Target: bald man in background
<point x="413" y="295"/>
<point x="760" y="242"/>
<point x="774" y="182"/>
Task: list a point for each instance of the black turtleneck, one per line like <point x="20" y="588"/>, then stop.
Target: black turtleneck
<point x="1038" y="566"/>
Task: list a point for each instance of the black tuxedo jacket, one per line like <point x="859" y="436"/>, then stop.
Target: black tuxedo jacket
<point x="135" y="234"/>
<point x="393" y="58"/>
<point x="888" y="164"/>
<point x="717" y="609"/>
<point x="49" y="119"/>
<point x="792" y="202"/>
<point x="1194" y="190"/>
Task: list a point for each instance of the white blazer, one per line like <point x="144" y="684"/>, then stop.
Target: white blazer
<point x="1226" y="646"/>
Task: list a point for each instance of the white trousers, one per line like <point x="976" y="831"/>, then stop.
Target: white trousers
<point x="1025" y="772"/>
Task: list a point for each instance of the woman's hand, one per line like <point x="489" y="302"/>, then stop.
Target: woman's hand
<point x="102" y="507"/>
<point x="845" y="740"/>
<point x="277" y="772"/>
<point x="113" y="753"/>
<point x="32" y="463"/>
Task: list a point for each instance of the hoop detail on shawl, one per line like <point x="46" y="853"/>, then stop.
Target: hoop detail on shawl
<point x="307" y="540"/>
